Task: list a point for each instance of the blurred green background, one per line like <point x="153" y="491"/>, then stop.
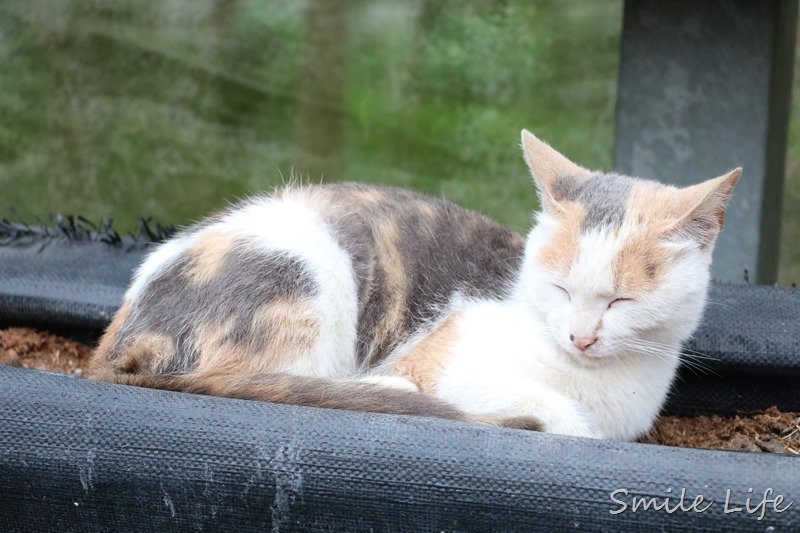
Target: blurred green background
<point x="170" y="109"/>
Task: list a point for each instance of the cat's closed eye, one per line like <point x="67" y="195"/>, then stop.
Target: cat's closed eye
<point x="618" y="301"/>
<point x="565" y="291"/>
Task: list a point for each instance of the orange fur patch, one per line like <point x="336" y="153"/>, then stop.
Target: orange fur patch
<point x="336" y="203"/>
<point x="215" y="352"/>
<point x="562" y="249"/>
<point x="426" y="210"/>
<point x="286" y="330"/>
<point x="654" y="205"/>
<point x="207" y="255"/>
<point x="367" y="196"/>
<point x="143" y="353"/>
<point x="109" y="340"/>
<point x="292" y="328"/>
<point x="391" y="261"/>
<point x="101" y="365"/>
<point x="642" y="260"/>
<point x="423" y="362"/>
<point x="639" y="264"/>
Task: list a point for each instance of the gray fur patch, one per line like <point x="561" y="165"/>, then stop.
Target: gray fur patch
<point x="445" y="250"/>
<point x="175" y="306"/>
<point x="603" y="197"/>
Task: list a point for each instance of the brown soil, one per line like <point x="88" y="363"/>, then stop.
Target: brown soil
<point x="770" y="431"/>
<point x="29" y="348"/>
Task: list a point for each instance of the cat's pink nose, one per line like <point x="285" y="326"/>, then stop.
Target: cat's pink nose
<point x="582" y="343"/>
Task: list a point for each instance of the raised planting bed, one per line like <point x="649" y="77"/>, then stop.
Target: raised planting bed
<point x="76" y="454"/>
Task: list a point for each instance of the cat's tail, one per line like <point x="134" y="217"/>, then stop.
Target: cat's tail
<point x="301" y="390"/>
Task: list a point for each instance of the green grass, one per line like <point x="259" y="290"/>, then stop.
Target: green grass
<point x="112" y="109"/>
<point x="170" y="109"/>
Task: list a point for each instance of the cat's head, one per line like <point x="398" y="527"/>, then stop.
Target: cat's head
<point x="616" y="263"/>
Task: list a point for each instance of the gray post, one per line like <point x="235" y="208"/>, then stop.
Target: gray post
<point x="705" y="86"/>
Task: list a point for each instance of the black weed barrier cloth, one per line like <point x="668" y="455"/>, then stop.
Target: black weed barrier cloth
<point x="79" y="455"/>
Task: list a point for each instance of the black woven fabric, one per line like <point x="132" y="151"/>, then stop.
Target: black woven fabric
<point x="65" y="284"/>
<point x="749" y="341"/>
<point x="751" y="327"/>
<point x="79" y="455"/>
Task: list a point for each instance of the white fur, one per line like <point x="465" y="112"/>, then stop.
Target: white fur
<point x="518" y="370"/>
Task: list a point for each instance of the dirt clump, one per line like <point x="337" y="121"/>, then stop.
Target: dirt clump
<point x="770" y="431"/>
<point x="30" y="348"/>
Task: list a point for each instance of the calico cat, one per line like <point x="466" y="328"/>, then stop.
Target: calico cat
<point x="379" y="299"/>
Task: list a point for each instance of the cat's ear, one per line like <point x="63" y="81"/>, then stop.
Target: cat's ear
<point x="547" y="166"/>
<point x="705" y="207"/>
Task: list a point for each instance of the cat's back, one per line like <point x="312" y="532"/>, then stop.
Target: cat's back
<point x="411" y="252"/>
<point x="342" y="270"/>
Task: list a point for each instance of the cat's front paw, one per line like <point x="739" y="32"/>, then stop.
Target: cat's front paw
<point x="574" y="428"/>
<point x="574" y="421"/>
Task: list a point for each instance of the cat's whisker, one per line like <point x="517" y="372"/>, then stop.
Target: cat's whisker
<point x="686" y="351"/>
<point x="688" y="360"/>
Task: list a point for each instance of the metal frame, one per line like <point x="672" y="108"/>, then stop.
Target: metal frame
<point x="705" y="86"/>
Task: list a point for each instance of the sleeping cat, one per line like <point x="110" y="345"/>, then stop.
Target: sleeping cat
<point x="379" y="299"/>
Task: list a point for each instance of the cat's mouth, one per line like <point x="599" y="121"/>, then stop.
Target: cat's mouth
<point x="592" y="359"/>
<point x="592" y="356"/>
